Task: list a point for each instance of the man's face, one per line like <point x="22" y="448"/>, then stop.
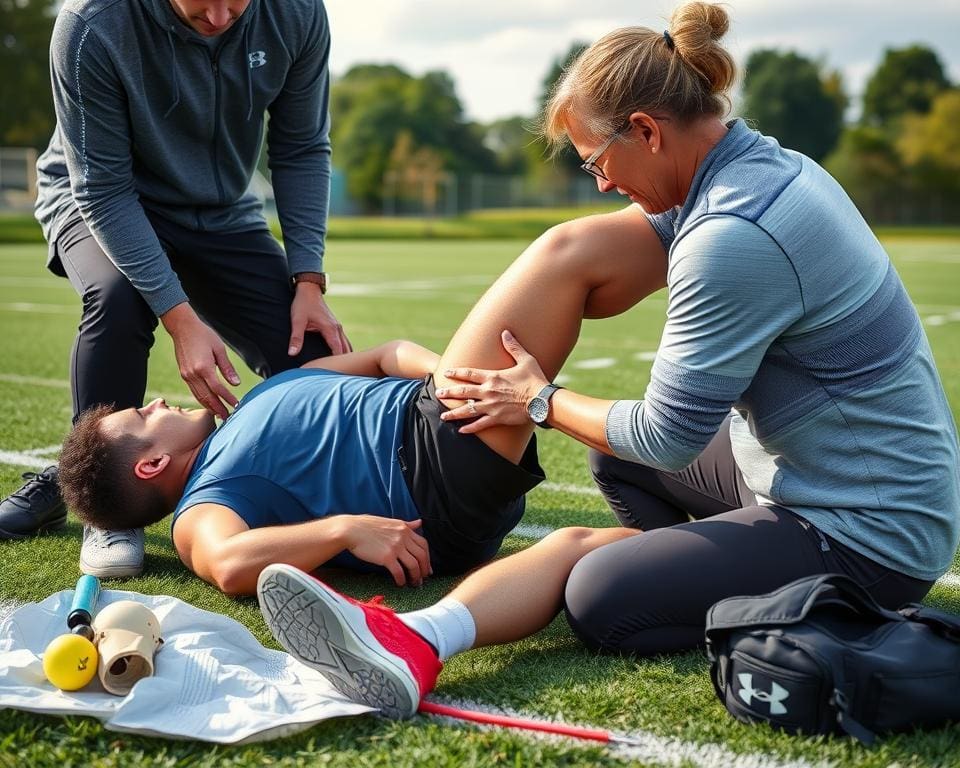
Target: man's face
<point x="210" y="17"/>
<point x="167" y="430"/>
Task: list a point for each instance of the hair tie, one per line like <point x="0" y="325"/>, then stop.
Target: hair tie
<point x="668" y="40"/>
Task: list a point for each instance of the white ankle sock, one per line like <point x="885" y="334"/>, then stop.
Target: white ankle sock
<point x="448" y="626"/>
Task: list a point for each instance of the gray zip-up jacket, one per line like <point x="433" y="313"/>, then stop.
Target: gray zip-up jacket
<point x="152" y="115"/>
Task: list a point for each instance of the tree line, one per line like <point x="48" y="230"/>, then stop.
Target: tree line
<point x="899" y="159"/>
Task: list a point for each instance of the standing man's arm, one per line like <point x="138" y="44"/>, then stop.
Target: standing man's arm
<point x="92" y="118"/>
<point x="298" y="146"/>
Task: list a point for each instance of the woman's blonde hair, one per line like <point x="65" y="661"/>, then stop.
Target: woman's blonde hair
<point x="684" y="72"/>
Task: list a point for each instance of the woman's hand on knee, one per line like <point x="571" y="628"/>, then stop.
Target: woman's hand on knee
<point x="494" y="397"/>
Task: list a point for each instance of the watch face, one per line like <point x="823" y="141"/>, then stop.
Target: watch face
<point x="539" y="409"/>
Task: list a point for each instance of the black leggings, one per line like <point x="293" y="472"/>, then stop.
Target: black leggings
<point x="236" y="281"/>
<point x="650" y="593"/>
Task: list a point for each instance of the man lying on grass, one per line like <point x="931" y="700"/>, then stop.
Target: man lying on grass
<point x="347" y="460"/>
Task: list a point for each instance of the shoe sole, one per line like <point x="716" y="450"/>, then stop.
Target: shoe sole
<point x="111" y="571"/>
<point x="327" y="633"/>
<point x="53" y="525"/>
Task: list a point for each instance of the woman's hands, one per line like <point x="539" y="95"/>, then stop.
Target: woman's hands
<point x="495" y="397"/>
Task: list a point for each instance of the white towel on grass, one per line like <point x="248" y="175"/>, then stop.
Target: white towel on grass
<point x="212" y="680"/>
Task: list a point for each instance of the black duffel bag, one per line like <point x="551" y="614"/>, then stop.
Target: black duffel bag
<point x="819" y="655"/>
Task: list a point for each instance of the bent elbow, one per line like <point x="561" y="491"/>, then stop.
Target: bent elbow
<point x="232" y="580"/>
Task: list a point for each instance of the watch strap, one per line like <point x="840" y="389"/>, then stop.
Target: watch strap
<point x="317" y="278"/>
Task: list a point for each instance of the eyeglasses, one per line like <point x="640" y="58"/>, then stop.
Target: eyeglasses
<point x="590" y="164"/>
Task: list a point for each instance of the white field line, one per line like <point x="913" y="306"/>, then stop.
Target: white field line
<point x="177" y="398"/>
<point x="595" y="364"/>
<point x="46" y="309"/>
<point x="937" y="320"/>
<point x="649" y="748"/>
<point x="583" y="490"/>
<point x="28" y="460"/>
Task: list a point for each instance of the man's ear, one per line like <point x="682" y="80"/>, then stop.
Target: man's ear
<point x="148" y="469"/>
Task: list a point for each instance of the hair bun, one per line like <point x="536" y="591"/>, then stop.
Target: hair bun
<point x="696" y="29"/>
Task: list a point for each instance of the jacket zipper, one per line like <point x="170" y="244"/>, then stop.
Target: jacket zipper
<point x="215" y="66"/>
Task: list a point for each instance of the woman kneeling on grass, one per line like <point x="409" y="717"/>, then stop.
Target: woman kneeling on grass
<point x="840" y="454"/>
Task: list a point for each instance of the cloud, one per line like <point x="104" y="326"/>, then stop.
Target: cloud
<point x="498" y="51"/>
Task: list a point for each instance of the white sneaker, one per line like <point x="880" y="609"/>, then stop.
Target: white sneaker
<point x="112" y="554"/>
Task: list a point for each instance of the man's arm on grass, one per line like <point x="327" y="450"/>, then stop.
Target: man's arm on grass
<point x="394" y="358"/>
<point x="217" y="545"/>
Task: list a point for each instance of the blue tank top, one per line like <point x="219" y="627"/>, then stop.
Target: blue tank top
<point x="305" y="444"/>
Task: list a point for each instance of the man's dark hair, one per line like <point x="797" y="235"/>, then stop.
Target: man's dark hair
<point x="97" y="479"/>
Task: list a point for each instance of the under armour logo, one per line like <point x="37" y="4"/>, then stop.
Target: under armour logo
<point x="775" y="698"/>
<point x="257" y="59"/>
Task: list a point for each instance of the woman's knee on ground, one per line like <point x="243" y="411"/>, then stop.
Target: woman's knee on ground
<point x="593" y="606"/>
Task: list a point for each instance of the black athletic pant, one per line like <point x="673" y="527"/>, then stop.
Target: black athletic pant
<point x="650" y="593"/>
<point x="238" y="283"/>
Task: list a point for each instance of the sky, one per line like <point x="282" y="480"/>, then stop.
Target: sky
<point x="498" y="51"/>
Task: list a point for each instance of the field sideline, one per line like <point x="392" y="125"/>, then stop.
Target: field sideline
<point x="420" y="289"/>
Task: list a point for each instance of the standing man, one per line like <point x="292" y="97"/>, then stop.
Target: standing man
<point x="143" y="200"/>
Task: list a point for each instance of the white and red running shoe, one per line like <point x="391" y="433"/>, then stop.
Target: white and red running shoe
<point x="362" y="649"/>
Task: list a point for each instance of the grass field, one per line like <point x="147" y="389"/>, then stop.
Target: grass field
<point x="420" y="290"/>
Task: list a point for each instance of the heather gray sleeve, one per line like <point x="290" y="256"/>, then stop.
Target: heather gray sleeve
<point x="298" y="145"/>
<point x="731" y="292"/>
<point x="93" y="121"/>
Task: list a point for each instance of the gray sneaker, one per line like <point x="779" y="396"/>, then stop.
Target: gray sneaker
<point x="112" y="554"/>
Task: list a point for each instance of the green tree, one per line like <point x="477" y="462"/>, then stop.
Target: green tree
<point x="789" y="96"/>
<point x="930" y="145"/>
<point x="567" y="160"/>
<point x="26" y="117"/>
<point x="374" y="107"/>
<point x="508" y="139"/>
<point x="907" y="80"/>
<point x="867" y="165"/>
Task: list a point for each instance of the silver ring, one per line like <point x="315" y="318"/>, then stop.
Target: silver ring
<point x="472" y="407"/>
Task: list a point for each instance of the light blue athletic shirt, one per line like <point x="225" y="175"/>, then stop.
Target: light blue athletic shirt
<point x="784" y="306"/>
<point x="305" y="444"/>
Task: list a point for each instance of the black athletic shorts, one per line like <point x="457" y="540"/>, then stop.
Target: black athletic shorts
<point x="469" y="496"/>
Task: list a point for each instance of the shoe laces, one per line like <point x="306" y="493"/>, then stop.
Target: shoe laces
<point x="109" y="538"/>
<point x="38" y="485"/>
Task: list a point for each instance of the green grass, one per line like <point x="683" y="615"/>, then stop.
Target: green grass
<point x="669" y="697"/>
<point x="522" y="223"/>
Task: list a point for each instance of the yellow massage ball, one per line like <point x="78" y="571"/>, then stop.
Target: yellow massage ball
<point x="70" y="662"/>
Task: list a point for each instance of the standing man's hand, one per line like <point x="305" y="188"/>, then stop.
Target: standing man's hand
<point x="309" y="312"/>
<point x="200" y="353"/>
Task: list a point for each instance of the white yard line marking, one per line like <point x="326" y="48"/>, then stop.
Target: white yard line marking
<point x="177" y="398"/>
<point x="949" y="580"/>
<point x="936" y="320"/>
<point x="595" y="364"/>
<point x="28" y="460"/>
<point x="34" y="282"/>
<point x="46" y="451"/>
<point x="645" y="357"/>
<point x="583" y="490"/>
<point x="48" y="309"/>
<point x="651" y="749"/>
<point x="529" y="531"/>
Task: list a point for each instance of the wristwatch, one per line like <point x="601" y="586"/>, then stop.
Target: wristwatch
<point x="539" y="406"/>
<point x="318" y="278"/>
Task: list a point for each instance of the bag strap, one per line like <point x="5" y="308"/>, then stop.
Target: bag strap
<point x="792" y="602"/>
<point x="947" y="625"/>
